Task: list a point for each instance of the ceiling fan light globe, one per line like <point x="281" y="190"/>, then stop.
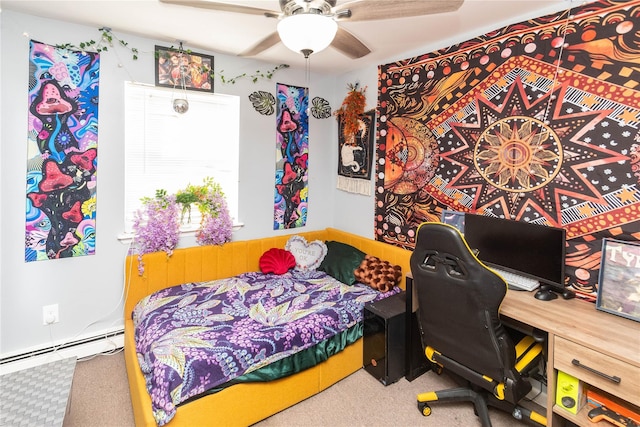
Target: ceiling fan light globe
<point x="307" y="31"/>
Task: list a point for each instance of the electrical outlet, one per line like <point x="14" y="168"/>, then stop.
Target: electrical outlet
<point x="50" y="314"/>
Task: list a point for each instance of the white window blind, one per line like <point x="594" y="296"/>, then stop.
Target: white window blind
<point x="167" y="150"/>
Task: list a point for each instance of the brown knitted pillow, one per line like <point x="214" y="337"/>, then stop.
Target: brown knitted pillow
<point x="377" y="273"/>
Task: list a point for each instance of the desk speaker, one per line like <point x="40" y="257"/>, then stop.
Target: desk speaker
<point x="569" y="393"/>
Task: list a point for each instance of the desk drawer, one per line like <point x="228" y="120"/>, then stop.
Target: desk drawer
<point x="628" y="388"/>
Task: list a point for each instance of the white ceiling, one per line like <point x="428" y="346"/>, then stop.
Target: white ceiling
<point x="232" y="33"/>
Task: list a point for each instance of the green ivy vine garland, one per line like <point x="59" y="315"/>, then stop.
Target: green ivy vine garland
<point x="107" y="39"/>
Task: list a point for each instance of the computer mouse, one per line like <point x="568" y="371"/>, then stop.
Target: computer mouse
<point x="545" y="295"/>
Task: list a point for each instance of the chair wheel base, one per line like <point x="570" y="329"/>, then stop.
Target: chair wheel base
<point x="424" y="409"/>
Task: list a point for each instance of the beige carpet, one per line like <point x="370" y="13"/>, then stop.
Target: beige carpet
<point x="100" y="398"/>
<point x="100" y="394"/>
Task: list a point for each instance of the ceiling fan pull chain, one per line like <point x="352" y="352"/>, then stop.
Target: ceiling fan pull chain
<point x="180" y="105"/>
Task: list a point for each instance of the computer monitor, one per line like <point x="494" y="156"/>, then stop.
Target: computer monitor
<point x="453" y="218"/>
<point x="536" y="251"/>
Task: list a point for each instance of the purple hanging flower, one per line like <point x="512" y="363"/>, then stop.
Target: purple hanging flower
<point x="217" y="224"/>
<point x="156" y="226"/>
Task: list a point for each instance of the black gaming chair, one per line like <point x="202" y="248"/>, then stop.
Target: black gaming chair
<point x="459" y="298"/>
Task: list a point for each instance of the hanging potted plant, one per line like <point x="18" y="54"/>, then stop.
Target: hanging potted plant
<point x="186" y="198"/>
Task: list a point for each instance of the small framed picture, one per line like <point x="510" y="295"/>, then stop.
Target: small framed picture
<point x="173" y="65"/>
<point x="619" y="279"/>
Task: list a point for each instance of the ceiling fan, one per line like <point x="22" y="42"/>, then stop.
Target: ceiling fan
<point x="326" y="14"/>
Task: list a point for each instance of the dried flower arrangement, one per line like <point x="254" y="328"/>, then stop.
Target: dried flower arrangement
<point x="156" y="225"/>
<point x="351" y="109"/>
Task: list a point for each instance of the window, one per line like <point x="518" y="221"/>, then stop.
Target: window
<point x="167" y="150"/>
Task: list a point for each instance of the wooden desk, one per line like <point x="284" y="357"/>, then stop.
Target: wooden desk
<point x="577" y="331"/>
<point x="607" y="343"/>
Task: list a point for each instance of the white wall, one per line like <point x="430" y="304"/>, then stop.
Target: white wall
<point x="355" y="211"/>
<point x="89" y="289"/>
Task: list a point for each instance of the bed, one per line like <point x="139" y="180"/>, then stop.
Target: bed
<point x="243" y="395"/>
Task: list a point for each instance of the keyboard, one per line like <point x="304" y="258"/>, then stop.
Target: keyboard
<point x="516" y="281"/>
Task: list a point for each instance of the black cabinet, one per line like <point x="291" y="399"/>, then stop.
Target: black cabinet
<point x="384" y="338"/>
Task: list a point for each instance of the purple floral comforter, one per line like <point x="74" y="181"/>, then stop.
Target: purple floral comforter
<point x="196" y="336"/>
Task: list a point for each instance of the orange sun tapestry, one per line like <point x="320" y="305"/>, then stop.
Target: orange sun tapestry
<point x="536" y="121"/>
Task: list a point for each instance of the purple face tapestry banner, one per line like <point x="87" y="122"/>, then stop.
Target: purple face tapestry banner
<point x="537" y="121"/>
<point x="62" y="147"/>
<point x="292" y="152"/>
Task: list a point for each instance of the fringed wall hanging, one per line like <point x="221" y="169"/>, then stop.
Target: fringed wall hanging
<point x="356" y="138"/>
<point x="62" y="147"/>
<point x="355" y="154"/>
<point x="292" y="151"/>
<point x="536" y="121"/>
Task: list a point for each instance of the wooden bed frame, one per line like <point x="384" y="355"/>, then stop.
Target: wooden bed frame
<point x="248" y="403"/>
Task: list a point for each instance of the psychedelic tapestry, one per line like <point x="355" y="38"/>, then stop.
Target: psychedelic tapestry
<point x="62" y="148"/>
<point x="292" y="152"/>
<point x="536" y="121"/>
<point x="355" y="153"/>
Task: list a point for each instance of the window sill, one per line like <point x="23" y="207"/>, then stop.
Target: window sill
<point x="185" y="230"/>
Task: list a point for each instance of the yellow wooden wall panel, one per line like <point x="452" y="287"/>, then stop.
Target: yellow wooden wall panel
<point x="238" y="259"/>
<point x="209" y="263"/>
<point x="226" y="256"/>
<point x="176" y="267"/>
<point x="193" y="266"/>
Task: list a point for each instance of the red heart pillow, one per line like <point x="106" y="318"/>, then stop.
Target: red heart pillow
<point x="277" y="261"/>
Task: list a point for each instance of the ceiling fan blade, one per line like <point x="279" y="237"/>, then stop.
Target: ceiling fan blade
<point x="363" y="10"/>
<point x="264" y="44"/>
<point x="223" y="7"/>
<point x="349" y="44"/>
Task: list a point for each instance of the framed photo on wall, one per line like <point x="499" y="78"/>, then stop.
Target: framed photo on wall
<point x="172" y="64"/>
<point x="619" y="279"/>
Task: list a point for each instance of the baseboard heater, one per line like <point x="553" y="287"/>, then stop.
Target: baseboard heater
<point x="89" y="346"/>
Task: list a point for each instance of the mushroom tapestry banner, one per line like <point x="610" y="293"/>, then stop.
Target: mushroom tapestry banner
<point x="292" y="152"/>
<point x="62" y="146"/>
<point x="536" y="121"/>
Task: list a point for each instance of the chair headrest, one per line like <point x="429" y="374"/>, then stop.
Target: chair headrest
<point x="443" y="238"/>
<point x="442" y="251"/>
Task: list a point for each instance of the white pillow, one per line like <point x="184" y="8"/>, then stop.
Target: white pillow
<point x="308" y="255"/>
